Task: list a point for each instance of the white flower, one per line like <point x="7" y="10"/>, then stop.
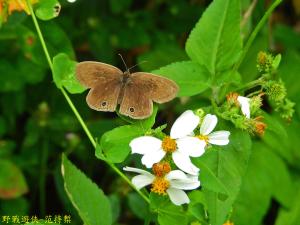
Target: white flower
<point x="172" y="183"/>
<point x="181" y="144"/>
<point x="245" y="105"/>
<point x="216" y="138"/>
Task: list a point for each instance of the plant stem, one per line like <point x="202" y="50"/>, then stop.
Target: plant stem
<point x="250" y="85"/>
<point x="255" y="32"/>
<point x="72" y="106"/>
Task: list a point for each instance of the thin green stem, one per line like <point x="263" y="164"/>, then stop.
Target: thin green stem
<point x="38" y="30"/>
<point x="79" y="118"/>
<point x="255" y="32"/>
<point x="250" y="85"/>
<point x="72" y="106"/>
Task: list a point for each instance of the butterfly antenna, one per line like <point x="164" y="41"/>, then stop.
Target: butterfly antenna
<point x="137" y="64"/>
<point x="124" y="62"/>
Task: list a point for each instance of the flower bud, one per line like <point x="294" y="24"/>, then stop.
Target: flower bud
<point x="259" y="126"/>
<point x="232" y="98"/>
<point x="160" y="169"/>
<point x="275" y="90"/>
<point x="285" y="109"/>
<point x="200" y="113"/>
<point x="264" y="62"/>
<point x="256" y="103"/>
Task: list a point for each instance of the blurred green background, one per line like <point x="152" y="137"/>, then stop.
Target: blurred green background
<point x="36" y="124"/>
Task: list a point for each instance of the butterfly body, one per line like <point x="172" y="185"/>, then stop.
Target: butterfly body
<point x="134" y="92"/>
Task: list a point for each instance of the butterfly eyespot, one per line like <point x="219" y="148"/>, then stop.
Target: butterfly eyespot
<point x="104" y="103"/>
<point x="131" y="109"/>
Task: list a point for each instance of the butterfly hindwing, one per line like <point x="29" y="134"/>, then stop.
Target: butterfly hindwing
<point x="141" y="90"/>
<point x="104" y="96"/>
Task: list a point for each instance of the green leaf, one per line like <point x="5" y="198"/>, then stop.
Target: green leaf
<point x="209" y="178"/>
<point x="89" y="200"/>
<point x="10" y="79"/>
<point x="191" y="78"/>
<point x="228" y="165"/>
<point x="267" y="176"/>
<point x="115" y="207"/>
<point x="162" y="55"/>
<point x="198" y="205"/>
<point x="248" y="68"/>
<point x="215" y="42"/>
<point x="291" y="216"/>
<point x="288" y="70"/>
<point x="168" y="213"/>
<point x="114" y="144"/>
<point x="47" y="9"/>
<point x="138" y="205"/>
<point x="276" y="137"/>
<point x="12" y="181"/>
<point x="64" y="74"/>
<point x="145" y="124"/>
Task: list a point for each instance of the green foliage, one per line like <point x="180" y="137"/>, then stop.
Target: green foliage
<point x="91" y="203"/>
<point x="138" y="206"/>
<point x="242" y="182"/>
<point x="291" y="215"/>
<point x="12" y="181"/>
<point x="191" y="77"/>
<point x="47" y="9"/>
<point x="267" y="176"/>
<point x="215" y="42"/>
<point x="198" y="206"/>
<point x="114" y="144"/>
<point x="64" y="74"/>
<point x="227" y="166"/>
<point x="166" y="211"/>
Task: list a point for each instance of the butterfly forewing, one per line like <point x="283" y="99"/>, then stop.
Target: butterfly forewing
<point x="89" y="73"/>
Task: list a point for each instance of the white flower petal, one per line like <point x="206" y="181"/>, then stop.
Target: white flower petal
<point x="145" y="144"/>
<point x="245" y="105"/>
<point x="184" y="163"/>
<point x="184" y="125"/>
<point x="153" y="157"/>
<point x="192" y="178"/>
<point x="141" y="181"/>
<point x="184" y="184"/>
<point x="219" y="137"/>
<point x="178" y="197"/>
<point x="136" y="170"/>
<point x="208" y="124"/>
<point x="191" y="145"/>
<point x="176" y="174"/>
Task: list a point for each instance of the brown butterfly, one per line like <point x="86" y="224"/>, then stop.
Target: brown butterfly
<point x="134" y="92"/>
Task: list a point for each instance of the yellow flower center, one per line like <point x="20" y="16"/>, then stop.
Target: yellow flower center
<point x="160" y="185"/>
<point x="169" y="144"/>
<point x="161" y="169"/>
<point x="203" y="137"/>
<point x="228" y="223"/>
